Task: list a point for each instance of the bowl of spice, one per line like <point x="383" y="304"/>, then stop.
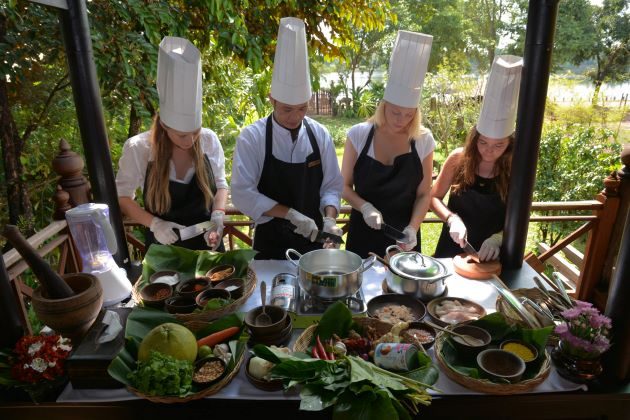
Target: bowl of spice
<point x="500" y="365"/>
<point x="213" y="299"/>
<point x="419" y="332"/>
<point x="234" y="286"/>
<point x="155" y="294"/>
<point x="165" y="276"/>
<point x="221" y="272"/>
<point x="192" y="287"/>
<point x="525" y="351"/>
<point x="209" y="371"/>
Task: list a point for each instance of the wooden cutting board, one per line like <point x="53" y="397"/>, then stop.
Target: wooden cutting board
<point x="466" y="267"/>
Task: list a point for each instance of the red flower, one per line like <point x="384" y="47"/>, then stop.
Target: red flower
<point x="37" y="358"/>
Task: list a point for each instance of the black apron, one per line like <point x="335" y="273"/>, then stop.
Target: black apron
<point x="391" y="189"/>
<point x="295" y="185"/>
<point x="482" y="211"/>
<point x="188" y="207"/>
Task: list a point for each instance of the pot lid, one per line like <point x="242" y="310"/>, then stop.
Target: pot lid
<point x="417" y="266"/>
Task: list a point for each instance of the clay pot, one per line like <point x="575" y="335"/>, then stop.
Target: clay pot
<point x="72" y="316"/>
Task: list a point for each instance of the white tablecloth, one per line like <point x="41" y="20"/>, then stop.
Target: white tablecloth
<point x="481" y="292"/>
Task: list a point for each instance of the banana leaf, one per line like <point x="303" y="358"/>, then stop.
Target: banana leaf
<point x="142" y="320"/>
<point x="192" y="263"/>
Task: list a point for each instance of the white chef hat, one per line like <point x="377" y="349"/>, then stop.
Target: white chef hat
<point x="291" y="83"/>
<point x="407" y="68"/>
<point x="179" y="84"/>
<point x="498" y="111"/>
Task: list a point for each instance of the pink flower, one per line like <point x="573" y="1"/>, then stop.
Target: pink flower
<point x="585" y="331"/>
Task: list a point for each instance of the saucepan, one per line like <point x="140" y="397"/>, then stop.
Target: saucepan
<point x="415" y="274"/>
<point x="330" y="274"/>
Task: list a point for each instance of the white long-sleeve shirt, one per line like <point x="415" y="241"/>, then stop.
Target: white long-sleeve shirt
<point x="136" y="154"/>
<point x="249" y="159"/>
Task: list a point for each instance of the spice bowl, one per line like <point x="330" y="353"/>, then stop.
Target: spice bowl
<point x="155" y="294"/>
<point x="278" y="320"/>
<point x="464" y="349"/>
<point x="192" y="287"/>
<point x="235" y="286"/>
<point x="180" y="305"/>
<point x="165" y="276"/>
<point x="524" y="350"/>
<point x="220" y="272"/>
<point x="421" y="332"/>
<point x="277" y="338"/>
<point x="208" y="294"/>
<point x="208" y="371"/>
<point x="501" y="365"/>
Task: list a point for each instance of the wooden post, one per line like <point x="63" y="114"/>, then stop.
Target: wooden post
<point x="69" y="165"/>
<point x="598" y="240"/>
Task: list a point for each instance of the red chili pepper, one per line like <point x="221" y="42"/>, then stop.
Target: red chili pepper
<point x="321" y="350"/>
<point x="315" y="353"/>
<point x="331" y="353"/>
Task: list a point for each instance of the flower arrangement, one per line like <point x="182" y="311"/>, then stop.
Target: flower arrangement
<point x="36" y="364"/>
<point x="585" y="332"/>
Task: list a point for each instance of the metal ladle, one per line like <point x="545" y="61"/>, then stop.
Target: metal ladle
<point x="262" y="319"/>
<point x="469" y="339"/>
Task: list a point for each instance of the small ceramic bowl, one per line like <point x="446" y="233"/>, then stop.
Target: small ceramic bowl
<point x="155" y="294"/>
<point x="501" y="365"/>
<point x="192" y="287"/>
<point x="165" y="276"/>
<point x="220" y="272"/>
<point x="180" y="305"/>
<point x="277" y="338"/>
<point x="209" y="371"/>
<point x="525" y="351"/>
<point x="278" y="320"/>
<point x="426" y="334"/>
<point x="203" y="297"/>
<point x="234" y="286"/>
<point x="273" y="385"/>
<point x="464" y="349"/>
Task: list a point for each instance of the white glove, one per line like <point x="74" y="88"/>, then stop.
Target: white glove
<point x="163" y="230"/>
<point x="373" y="218"/>
<point x="491" y="247"/>
<point x="330" y="226"/>
<point x="214" y="235"/>
<point x="304" y="226"/>
<point x="457" y="229"/>
<point x="411" y="239"/>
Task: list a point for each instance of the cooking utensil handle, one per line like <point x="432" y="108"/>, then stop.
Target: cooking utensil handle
<point x="563" y="291"/>
<point x="392" y="247"/>
<point x="367" y="263"/>
<point x="380" y="259"/>
<point x="294" y="252"/>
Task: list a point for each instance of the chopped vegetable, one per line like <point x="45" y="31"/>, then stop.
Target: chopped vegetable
<point x="163" y="375"/>
<point x="218" y="337"/>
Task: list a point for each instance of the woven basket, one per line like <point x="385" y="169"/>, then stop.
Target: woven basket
<point x="213" y="389"/>
<point x="483" y="385"/>
<point x="534" y="294"/>
<point x="198" y="320"/>
<point x="304" y="340"/>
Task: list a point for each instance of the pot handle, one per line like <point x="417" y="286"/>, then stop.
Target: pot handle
<point x="367" y="263"/>
<point x="390" y="248"/>
<point x="288" y="255"/>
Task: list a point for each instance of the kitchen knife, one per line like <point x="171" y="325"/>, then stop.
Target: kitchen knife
<point x="392" y="232"/>
<point x="195" y="230"/>
<point x="322" y="237"/>
<point x="470" y="250"/>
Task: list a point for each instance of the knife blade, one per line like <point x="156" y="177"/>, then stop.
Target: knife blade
<point x="392" y="232"/>
<point x="322" y="237"/>
<point x="470" y="250"/>
<point x="195" y="230"/>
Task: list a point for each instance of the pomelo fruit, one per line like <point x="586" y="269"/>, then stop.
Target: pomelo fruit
<point x="169" y="338"/>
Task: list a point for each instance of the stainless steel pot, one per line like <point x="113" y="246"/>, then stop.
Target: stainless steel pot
<point x="330" y="273"/>
<point x="415" y="274"/>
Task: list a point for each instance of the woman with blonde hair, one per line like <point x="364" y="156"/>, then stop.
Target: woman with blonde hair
<point x="477" y="175"/>
<point x="388" y="160"/>
<point x="178" y="164"/>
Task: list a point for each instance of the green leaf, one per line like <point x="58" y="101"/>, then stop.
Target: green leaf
<point x="336" y="320"/>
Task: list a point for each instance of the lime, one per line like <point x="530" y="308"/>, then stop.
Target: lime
<point x="204" y="351"/>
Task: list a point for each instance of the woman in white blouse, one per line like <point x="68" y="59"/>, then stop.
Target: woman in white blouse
<point x="178" y="165"/>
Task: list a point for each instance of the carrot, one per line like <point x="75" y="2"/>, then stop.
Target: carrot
<point x="217" y="337"/>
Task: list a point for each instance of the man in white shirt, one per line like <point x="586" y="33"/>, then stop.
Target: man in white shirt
<point x="285" y="174"/>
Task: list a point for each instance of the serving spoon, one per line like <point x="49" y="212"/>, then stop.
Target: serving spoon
<point x="262" y="319"/>
<point x="469" y="339"/>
